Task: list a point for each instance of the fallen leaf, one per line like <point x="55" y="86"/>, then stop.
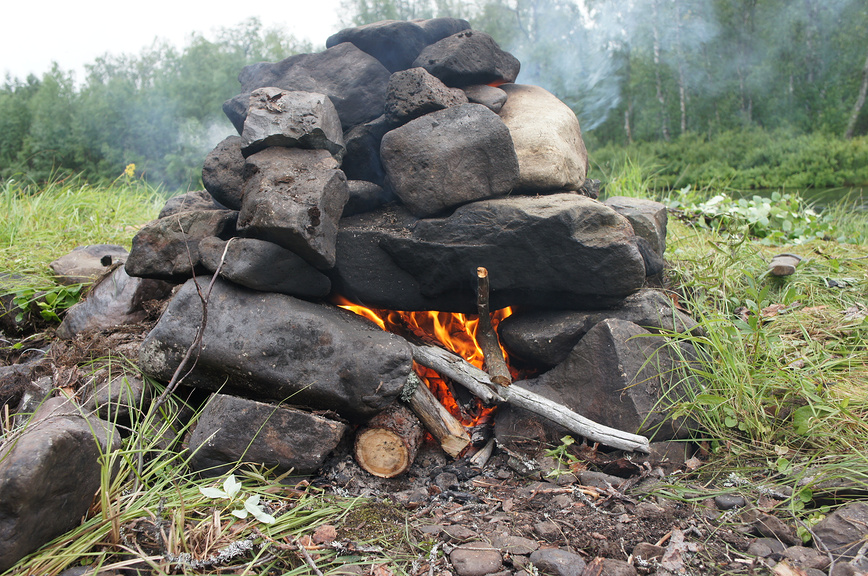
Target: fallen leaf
<point x="381" y="570"/>
<point x="325" y="534"/>
<point x="692" y="463"/>
<point x="783" y="568"/>
<point x="772" y="310"/>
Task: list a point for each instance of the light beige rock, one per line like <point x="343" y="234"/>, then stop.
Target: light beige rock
<point x="547" y="139"/>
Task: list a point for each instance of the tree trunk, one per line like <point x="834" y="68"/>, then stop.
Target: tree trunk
<point x="860" y="101"/>
<point x="664" y="119"/>
<point x="388" y="444"/>
<point x="679" y="53"/>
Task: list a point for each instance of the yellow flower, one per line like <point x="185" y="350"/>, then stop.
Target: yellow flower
<point x="130" y="171"/>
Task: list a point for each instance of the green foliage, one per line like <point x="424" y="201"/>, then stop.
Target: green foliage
<point x="160" y="110"/>
<point x="562" y="457"/>
<point x="49" y="304"/>
<point x="42" y="222"/>
<point x="775" y="220"/>
<point x="744" y="159"/>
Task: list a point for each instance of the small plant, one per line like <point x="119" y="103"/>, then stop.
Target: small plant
<point x="564" y="460"/>
<point x="230" y="490"/>
<point x="49" y="304"/>
<point x="776" y="220"/>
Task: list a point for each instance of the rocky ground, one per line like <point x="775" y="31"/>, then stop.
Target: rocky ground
<point x="522" y="511"/>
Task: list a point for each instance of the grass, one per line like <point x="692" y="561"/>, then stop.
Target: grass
<point x="44" y="221"/>
<point x="783" y="401"/>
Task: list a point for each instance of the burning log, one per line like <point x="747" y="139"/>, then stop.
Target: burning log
<point x="388" y="444"/>
<point x="486" y="336"/>
<point x="479" y="383"/>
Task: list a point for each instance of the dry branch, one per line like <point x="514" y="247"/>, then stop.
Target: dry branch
<point x="485" y="335"/>
<point x="478" y="382"/>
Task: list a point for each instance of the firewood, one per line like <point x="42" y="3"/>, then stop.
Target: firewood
<point x="438" y="421"/>
<point x="479" y="383"/>
<point x="485" y="335"/>
<point x="388" y="444"/>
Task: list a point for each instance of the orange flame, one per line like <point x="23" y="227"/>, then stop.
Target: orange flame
<point x="454" y="331"/>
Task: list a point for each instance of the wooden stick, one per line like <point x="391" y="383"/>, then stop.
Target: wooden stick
<point x="478" y="382"/>
<point x="485" y="335"/>
<point x="440" y="423"/>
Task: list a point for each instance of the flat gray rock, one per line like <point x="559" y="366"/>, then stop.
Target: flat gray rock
<point x="87" y="263"/>
<point x="268" y="346"/>
<point x="231" y="430"/>
<point x="648" y="218"/>
<point x="263" y="266"/>
<point x="388" y="259"/>
<point x="491" y="97"/>
<point x="546" y="337"/>
<point x="291" y="119"/>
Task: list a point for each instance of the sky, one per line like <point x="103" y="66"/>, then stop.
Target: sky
<point x="75" y="33"/>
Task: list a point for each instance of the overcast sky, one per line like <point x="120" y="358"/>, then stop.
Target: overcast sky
<point x="75" y="32"/>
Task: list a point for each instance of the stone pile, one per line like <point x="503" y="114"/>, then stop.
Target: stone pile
<point x="386" y="170"/>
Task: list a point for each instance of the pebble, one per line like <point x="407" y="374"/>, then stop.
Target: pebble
<point x="547" y="530"/>
<point x="729" y="501"/>
<point x="515" y="544"/>
<point x="476" y="559"/>
<point x="558" y="562"/>
<point x="648" y="551"/>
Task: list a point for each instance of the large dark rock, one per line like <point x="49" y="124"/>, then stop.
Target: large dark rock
<point x="386" y="259"/>
<point x="415" y="92"/>
<point x="114" y="301"/>
<point x="294" y="198"/>
<point x="48" y="478"/>
<point x="168" y="248"/>
<point x="292" y="119"/>
<point x="222" y="172"/>
<point x="353" y="80"/>
<point x="648" y="218"/>
<point x="621" y="376"/>
<point x="546" y="337"/>
<point x="275" y="347"/>
<point x="468" y="57"/>
<point x="264" y="266"/>
<point x="396" y="43"/>
<point x="362" y="159"/>
<point x="87" y="263"/>
<point x="448" y="158"/>
<point x="231" y="430"/>
<point x="190" y="201"/>
<point x="547" y="139"/>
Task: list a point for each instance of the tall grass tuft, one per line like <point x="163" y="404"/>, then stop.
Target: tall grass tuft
<point x="44" y="221"/>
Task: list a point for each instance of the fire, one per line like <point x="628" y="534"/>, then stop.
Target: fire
<point x="454" y="331"/>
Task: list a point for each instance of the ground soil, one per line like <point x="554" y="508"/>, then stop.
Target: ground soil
<point x="449" y="502"/>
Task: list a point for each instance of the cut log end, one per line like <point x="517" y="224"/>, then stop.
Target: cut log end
<point x="388" y="445"/>
<point x="382" y="452"/>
